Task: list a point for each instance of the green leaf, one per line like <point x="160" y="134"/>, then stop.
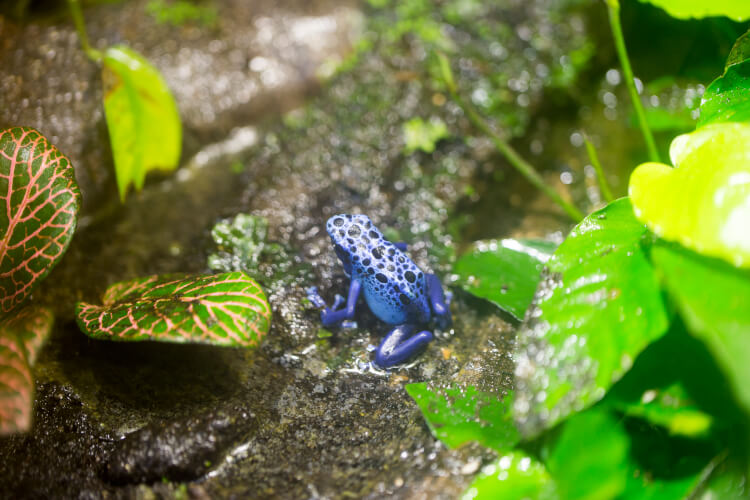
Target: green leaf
<point x="22" y="335"/>
<point x="144" y="125"/>
<point x="513" y="476"/>
<point x="590" y="458"/>
<point x="419" y="134"/>
<point x="738" y="10"/>
<point x="458" y="415"/>
<point x="598" y="307"/>
<point x="505" y="272"/>
<point x="40" y="201"/>
<point x="714" y="301"/>
<point x="703" y="203"/>
<point x="727" y="99"/>
<point x="224" y="309"/>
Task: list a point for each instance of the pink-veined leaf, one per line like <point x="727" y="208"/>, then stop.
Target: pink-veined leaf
<point x="39" y="203"/>
<point x="22" y="335"/>
<point x="227" y="309"/>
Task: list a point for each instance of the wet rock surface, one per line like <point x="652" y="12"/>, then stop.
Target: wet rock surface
<point x="253" y="61"/>
<point x="306" y="415"/>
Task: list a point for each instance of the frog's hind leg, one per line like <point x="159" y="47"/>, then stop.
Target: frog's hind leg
<point x="400" y="345"/>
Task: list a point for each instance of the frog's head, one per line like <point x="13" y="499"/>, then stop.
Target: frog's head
<point x="352" y="235"/>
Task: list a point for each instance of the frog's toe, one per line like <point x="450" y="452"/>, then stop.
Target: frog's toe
<point x="314" y="296"/>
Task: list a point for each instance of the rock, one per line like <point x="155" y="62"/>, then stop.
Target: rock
<point x="253" y="62"/>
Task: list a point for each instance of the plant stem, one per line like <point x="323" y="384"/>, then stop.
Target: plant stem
<point x="613" y="8"/>
<point x="594" y="158"/>
<point x="510" y="154"/>
<point x="75" y="12"/>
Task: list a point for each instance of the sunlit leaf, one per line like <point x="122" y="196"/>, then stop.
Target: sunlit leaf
<point x="505" y="272"/>
<point x="599" y="306"/>
<point x="590" y="458"/>
<point x="419" y="134"/>
<point x="703" y="203"/>
<point x="225" y="309"/>
<point x="513" y="476"/>
<point x="738" y="10"/>
<point x="714" y="301"/>
<point x="458" y="415"/>
<point x="40" y="201"/>
<point x="21" y="337"/>
<point x="142" y="118"/>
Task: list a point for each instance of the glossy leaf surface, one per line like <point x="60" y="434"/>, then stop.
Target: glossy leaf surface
<point x="513" y="476"/>
<point x="703" y="203"/>
<point x="225" y="309"/>
<point x="505" y="272"/>
<point x="458" y="415"/>
<point x="142" y="118"/>
<point x="727" y="99"/>
<point x="714" y="300"/>
<point x="22" y="335"/>
<point x="738" y="10"/>
<point x="40" y="201"/>
<point x="599" y="306"/>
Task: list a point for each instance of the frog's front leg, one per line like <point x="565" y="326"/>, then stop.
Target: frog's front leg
<point x="399" y="345"/>
<point x="330" y="316"/>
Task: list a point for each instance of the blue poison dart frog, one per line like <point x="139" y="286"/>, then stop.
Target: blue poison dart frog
<point x="395" y="289"/>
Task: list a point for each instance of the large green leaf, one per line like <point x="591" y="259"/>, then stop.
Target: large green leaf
<point x="714" y="301"/>
<point x="505" y="272"/>
<point x="40" y="202"/>
<point x="224" y="309"/>
<point x="739" y="10"/>
<point x="590" y="458"/>
<point x="21" y="337"/>
<point x="142" y="118"/>
<point x="703" y="203"/>
<point x="597" y="309"/>
<point x="513" y="476"/>
<point x="457" y="415"/>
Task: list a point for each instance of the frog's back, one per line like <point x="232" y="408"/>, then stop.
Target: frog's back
<point x="394" y="287"/>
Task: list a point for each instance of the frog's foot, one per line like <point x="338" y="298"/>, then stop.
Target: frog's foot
<point x="439" y="302"/>
<point x="400" y="345"/>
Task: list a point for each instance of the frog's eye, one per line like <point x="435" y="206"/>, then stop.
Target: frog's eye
<point x="338" y="222"/>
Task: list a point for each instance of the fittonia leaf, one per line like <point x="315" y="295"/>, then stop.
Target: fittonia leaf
<point x="142" y="118"/>
<point x="704" y="202"/>
<point x="39" y="201"/>
<point x="225" y="309"/>
<point x="738" y="10"/>
<point x="597" y="309"/>
<point x="21" y="337"/>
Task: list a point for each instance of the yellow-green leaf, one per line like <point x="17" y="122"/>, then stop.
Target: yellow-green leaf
<point x="142" y="117"/>
<point x="703" y="203"/>
<point x="738" y="10"/>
